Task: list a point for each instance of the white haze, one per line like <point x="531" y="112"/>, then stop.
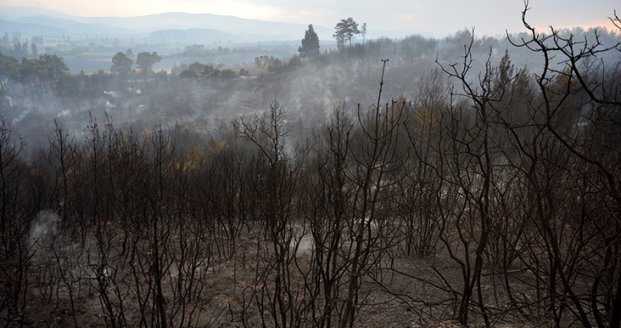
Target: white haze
<point x="428" y="17"/>
<point x="308" y="93"/>
<point x="44" y="228"/>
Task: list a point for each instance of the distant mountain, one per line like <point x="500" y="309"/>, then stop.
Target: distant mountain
<point x="196" y="27"/>
<point x="52" y="25"/>
<point x="26" y="28"/>
<point x="71" y="26"/>
<point x="15" y="13"/>
<point x="196" y="36"/>
<point x="263" y="30"/>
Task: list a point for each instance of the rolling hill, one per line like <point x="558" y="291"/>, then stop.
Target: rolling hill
<point x="30" y="21"/>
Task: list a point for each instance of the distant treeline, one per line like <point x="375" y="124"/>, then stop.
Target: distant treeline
<point x="491" y="196"/>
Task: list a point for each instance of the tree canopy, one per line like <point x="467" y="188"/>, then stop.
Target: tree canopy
<point x="121" y="63"/>
<point x="146" y="60"/>
<point x="310" y="44"/>
<point x="9" y="67"/>
<point x="47" y="69"/>
<point x="345" y="31"/>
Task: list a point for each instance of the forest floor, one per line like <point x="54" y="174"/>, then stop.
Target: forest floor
<point x="398" y="295"/>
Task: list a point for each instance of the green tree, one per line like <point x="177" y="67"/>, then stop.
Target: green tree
<point x="146" y="60"/>
<point x="121" y="63"/>
<point x="47" y="69"/>
<point x="363" y="31"/>
<point x="52" y="67"/>
<point x="9" y="67"/>
<point x="35" y="50"/>
<point x="345" y="31"/>
<point x="310" y="44"/>
<point x="130" y="54"/>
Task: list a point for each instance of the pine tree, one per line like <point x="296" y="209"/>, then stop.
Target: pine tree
<point x="146" y="60"/>
<point x="121" y="63"/>
<point x="345" y="31"/>
<point x="310" y="44"/>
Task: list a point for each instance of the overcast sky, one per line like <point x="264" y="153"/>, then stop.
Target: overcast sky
<point x="436" y="17"/>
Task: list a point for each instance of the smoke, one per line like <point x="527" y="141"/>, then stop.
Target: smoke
<point x="308" y="91"/>
<point x="44" y="228"/>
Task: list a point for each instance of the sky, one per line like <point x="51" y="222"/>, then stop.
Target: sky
<point x="435" y="17"/>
